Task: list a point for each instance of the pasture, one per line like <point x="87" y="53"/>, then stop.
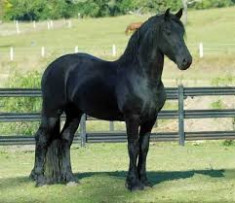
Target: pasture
<point x="214" y="28"/>
<point x="198" y="172"/>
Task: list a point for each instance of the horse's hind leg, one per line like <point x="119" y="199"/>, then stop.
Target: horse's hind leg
<point x="48" y="128"/>
<point x="73" y="117"/>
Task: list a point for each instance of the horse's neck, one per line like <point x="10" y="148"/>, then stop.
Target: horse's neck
<point x="152" y="63"/>
<point x="144" y="57"/>
<point x="149" y="66"/>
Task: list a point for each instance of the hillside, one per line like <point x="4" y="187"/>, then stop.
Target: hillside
<point x="214" y="28"/>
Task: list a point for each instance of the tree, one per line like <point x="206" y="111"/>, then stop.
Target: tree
<point x="39" y="9"/>
<point x="54" y="9"/>
<point x="185" y="6"/>
<point x="4" y="6"/>
<point x="1" y="10"/>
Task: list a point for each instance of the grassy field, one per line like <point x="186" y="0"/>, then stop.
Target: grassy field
<point x="214" y="27"/>
<point x="202" y="172"/>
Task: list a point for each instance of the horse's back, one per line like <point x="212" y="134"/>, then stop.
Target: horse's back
<point x="92" y="89"/>
<point x="84" y="80"/>
<point x="59" y="71"/>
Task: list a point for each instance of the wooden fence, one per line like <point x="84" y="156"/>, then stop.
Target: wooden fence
<point x="181" y="114"/>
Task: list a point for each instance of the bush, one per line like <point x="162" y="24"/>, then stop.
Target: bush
<point x="26" y="10"/>
<point x="205" y="4"/>
<point x="54" y="9"/>
<point x="224" y="80"/>
<point x="217" y="104"/>
<point x="21" y="105"/>
<point x="228" y="143"/>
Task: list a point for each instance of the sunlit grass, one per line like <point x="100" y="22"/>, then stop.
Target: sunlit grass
<point x="198" y="172"/>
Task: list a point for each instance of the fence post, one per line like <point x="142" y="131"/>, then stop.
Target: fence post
<point x="11" y="54"/>
<point x="114" y="50"/>
<point x="17" y="27"/>
<point x="51" y="24"/>
<point x="43" y="51"/>
<point x="69" y="24"/>
<point x="181" y="115"/>
<point x="83" y="130"/>
<point x="201" y="52"/>
<point x="48" y="25"/>
<point x="34" y="24"/>
<point x="76" y="49"/>
<point x="111" y="126"/>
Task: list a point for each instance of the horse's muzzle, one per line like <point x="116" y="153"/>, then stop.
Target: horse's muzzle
<point x="185" y="63"/>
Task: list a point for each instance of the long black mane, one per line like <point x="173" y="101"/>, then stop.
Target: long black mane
<point x="135" y="40"/>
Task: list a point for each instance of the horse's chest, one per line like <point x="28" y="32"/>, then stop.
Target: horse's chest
<point x="138" y="99"/>
<point x="140" y="96"/>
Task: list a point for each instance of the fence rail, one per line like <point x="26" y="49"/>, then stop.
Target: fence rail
<point x="15" y="53"/>
<point x="167" y="114"/>
<point x="181" y="114"/>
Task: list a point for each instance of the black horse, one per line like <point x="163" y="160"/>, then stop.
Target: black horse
<point x="129" y="89"/>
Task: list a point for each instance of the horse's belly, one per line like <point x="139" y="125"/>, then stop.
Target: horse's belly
<point x="109" y="116"/>
<point x="102" y="106"/>
<point x="102" y="111"/>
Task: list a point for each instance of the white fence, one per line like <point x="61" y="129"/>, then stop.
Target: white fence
<point x="200" y="50"/>
<point x="11" y="53"/>
<point x="19" y="28"/>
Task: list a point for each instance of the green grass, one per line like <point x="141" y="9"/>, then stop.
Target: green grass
<point x="214" y="27"/>
<point x="204" y="172"/>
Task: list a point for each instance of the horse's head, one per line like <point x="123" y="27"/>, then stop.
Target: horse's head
<point x="171" y="41"/>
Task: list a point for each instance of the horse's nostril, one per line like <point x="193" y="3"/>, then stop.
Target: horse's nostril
<point x="185" y="62"/>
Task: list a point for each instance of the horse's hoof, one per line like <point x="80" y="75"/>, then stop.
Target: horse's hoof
<point x="134" y="186"/>
<point x="147" y="184"/>
<point x="69" y="177"/>
<point x="32" y="175"/>
<point x="41" y="181"/>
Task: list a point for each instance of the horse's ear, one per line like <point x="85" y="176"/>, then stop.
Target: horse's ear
<point x="167" y="14"/>
<point x="179" y="13"/>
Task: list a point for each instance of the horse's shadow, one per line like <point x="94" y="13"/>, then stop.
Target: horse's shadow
<point x="157" y="177"/>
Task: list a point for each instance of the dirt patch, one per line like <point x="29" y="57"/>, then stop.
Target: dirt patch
<point x="209" y="124"/>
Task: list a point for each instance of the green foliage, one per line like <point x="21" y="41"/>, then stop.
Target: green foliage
<point x="26" y="80"/>
<point x="4" y="6"/>
<point x="217" y="104"/>
<point x="174" y="5"/>
<point x="228" y="143"/>
<point x="224" y="80"/>
<point x="39" y="9"/>
<point x="205" y="4"/>
<point x="54" y="9"/>
<point x="21" y="105"/>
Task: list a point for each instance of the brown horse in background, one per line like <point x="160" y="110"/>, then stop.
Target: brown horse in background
<point x="133" y="27"/>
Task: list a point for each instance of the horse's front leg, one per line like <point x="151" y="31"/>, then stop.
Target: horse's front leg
<point x="145" y="132"/>
<point x="132" y="125"/>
